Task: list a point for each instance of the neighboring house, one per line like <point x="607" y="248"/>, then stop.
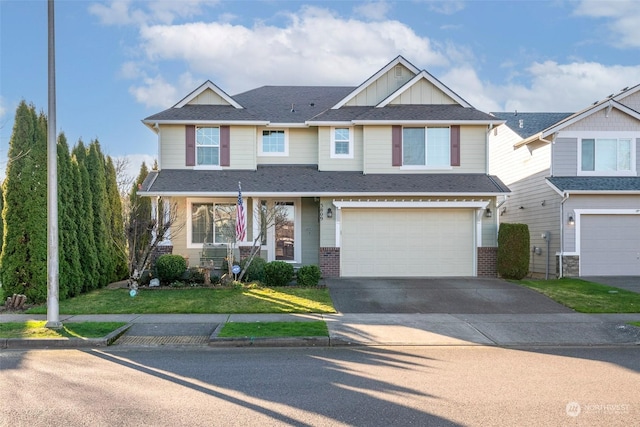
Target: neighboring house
<point x="575" y="182"/>
<point x="389" y="178"/>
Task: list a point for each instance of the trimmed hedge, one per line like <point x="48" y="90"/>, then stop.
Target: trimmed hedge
<point x="170" y="268"/>
<point x="308" y="275"/>
<point x="255" y="272"/>
<point x="278" y="273"/>
<point x="513" y="251"/>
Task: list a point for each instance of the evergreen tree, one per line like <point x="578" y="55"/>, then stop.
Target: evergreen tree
<point x="23" y="263"/>
<point x="83" y="200"/>
<point x="70" y="270"/>
<point x="101" y="212"/>
<point x="116" y="224"/>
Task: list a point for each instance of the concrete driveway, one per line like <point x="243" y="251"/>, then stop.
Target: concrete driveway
<point x="452" y="295"/>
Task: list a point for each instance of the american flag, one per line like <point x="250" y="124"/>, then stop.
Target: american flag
<point x="241" y="226"/>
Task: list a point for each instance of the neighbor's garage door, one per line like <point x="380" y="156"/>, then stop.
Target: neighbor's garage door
<point x="407" y="242"/>
<point x="610" y="245"/>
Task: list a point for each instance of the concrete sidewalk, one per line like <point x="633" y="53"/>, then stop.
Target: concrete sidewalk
<point x="360" y="329"/>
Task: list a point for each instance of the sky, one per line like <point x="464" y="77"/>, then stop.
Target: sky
<point x="118" y="62"/>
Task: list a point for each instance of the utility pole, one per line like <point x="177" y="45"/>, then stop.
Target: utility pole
<point x="53" y="318"/>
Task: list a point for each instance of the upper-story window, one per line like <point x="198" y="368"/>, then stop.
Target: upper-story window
<point x="606" y="155"/>
<point x="426" y="146"/>
<point x="274" y="143"/>
<point x="342" y="143"/>
<point x="207" y="146"/>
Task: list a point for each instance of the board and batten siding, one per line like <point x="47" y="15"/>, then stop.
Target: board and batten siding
<point x="378" y="152"/>
<point x="327" y="163"/>
<point x="382" y="87"/>
<point x="303" y="143"/>
<point x="208" y="97"/>
<point x="423" y="92"/>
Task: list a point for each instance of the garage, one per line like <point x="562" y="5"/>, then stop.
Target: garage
<point x="392" y="242"/>
<point x="609" y="245"/>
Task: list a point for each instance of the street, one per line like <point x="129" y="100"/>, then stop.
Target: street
<point x="362" y="386"/>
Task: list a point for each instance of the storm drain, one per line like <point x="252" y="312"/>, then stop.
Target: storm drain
<point x="142" y="334"/>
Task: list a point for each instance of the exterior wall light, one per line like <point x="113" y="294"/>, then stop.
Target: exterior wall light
<point x="488" y="213"/>
<point x="329" y="213"/>
<point x="571" y="220"/>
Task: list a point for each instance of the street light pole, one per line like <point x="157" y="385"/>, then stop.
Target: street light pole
<point x="53" y="318"/>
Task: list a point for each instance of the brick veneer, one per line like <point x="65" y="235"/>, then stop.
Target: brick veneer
<point x="487" y="262"/>
<point x="159" y="251"/>
<point x="330" y="262"/>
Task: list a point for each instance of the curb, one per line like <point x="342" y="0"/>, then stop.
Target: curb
<point x="43" y="343"/>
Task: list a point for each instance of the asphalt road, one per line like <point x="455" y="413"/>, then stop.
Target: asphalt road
<point x="368" y="386"/>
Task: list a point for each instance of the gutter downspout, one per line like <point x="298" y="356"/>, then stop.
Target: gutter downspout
<point x="565" y="197"/>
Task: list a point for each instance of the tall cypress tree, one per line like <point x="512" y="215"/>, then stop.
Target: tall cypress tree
<point x="23" y="264"/>
<point x="101" y="212"/>
<point x="83" y="200"/>
<point x="116" y="224"/>
<point x="70" y="270"/>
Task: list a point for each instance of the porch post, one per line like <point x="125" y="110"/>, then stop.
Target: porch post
<point x="166" y="219"/>
<point x="154" y="217"/>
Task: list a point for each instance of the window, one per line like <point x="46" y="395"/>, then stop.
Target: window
<point x="426" y="146"/>
<point x="212" y="222"/>
<point x="274" y="143"/>
<point x="342" y="143"/>
<point x="606" y="155"/>
<point x="207" y="146"/>
<point x="285" y="232"/>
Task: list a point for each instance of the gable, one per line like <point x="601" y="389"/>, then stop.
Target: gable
<point x="208" y="97"/>
<point x="603" y="121"/>
<point x="422" y="92"/>
<point x="382" y="87"/>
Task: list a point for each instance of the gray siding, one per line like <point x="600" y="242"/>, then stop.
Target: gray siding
<point x="565" y="157"/>
<point x="310" y="232"/>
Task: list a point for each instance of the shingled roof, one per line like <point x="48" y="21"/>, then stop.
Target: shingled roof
<point x="307" y="180"/>
<point x="624" y="184"/>
<point x="528" y="124"/>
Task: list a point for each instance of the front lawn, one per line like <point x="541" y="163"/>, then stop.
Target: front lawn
<point x="198" y="301"/>
<point x="274" y="329"/>
<point x="586" y="297"/>
<point x="37" y="329"/>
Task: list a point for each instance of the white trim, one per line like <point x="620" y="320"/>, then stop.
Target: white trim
<point x="273" y="154"/>
<point x="437" y="196"/>
<point x="200" y="89"/>
<point x="427" y="122"/>
<point x="150" y="123"/>
<point x="587" y="112"/>
<point x="333" y="154"/>
<point x="582" y="135"/>
<point x="577" y="214"/>
<point x="391" y="204"/>
<point x="428" y="77"/>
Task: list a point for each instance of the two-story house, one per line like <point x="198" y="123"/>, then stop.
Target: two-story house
<point x="389" y="178"/>
<point x="575" y="182"/>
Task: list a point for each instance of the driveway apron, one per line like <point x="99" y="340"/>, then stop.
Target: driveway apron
<point x="452" y="295"/>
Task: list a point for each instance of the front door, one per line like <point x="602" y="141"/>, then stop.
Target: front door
<point x="285" y="232"/>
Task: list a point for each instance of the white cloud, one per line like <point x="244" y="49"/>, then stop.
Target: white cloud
<point x="134" y="162"/>
<point x="239" y="58"/>
<point x="156" y="92"/>
<point x="446" y="7"/>
<point x="622" y="16"/>
<point x="3" y="108"/>
<point x="373" y="10"/>
<point x="123" y="12"/>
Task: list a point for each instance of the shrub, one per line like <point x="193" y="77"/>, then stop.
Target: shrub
<point x="255" y="272"/>
<point x="513" y="251"/>
<point x="170" y="268"/>
<point x="309" y="275"/>
<point x="278" y="273"/>
<point x="194" y="276"/>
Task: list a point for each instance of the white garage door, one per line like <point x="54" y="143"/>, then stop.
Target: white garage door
<point x="407" y="242"/>
<point x="610" y="245"/>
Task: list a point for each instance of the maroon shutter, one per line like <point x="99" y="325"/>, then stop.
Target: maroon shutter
<point x="190" y="145"/>
<point x="455" y="145"/>
<point x="396" y="145"/>
<point x="225" y="138"/>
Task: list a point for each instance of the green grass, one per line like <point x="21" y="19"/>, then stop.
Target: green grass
<point x="635" y="324"/>
<point x="274" y="329"/>
<point x="586" y="297"/>
<point x="198" y="301"/>
<point x="36" y="329"/>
